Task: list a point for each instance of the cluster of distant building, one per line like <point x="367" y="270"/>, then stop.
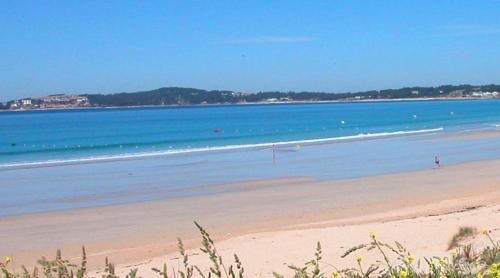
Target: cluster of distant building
<point x="58" y="101"/>
<point x="486" y="94"/>
<point x="478" y="94"/>
<point x="281" y="99"/>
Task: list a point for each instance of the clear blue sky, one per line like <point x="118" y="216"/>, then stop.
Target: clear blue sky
<point x="335" y="46"/>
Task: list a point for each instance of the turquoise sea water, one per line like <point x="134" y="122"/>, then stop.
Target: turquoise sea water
<point x="57" y="160"/>
<point x="41" y="137"/>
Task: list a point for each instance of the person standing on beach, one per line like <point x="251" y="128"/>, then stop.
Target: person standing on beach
<point x="274" y="153"/>
<point x="436" y="161"/>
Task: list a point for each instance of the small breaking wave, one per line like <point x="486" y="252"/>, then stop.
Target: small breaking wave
<point x="102" y="158"/>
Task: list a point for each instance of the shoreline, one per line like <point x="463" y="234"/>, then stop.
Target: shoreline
<point x="242" y="147"/>
<point x="135" y="232"/>
<point x="248" y="103"/>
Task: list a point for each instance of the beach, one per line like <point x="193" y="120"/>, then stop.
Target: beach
<point x="268" y="193"/>
<point x="264" y="253"/>
<point x="275" y="209"/>
<point x="225" y="139"/>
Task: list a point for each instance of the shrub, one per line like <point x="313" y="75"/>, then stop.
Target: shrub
<point x="463" y="263"/>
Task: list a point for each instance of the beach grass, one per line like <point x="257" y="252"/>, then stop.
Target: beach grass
<point x="462" y="234"/>
<point x="395" y="261"/>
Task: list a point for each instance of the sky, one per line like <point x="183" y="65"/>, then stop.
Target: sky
<point x="90" y="46"/>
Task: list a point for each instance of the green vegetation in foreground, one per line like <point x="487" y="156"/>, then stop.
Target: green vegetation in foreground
<point x="464" y="262"/>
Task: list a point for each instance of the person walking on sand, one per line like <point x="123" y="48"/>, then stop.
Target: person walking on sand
<point x="274" y="153"/>
<point x="436" y="161"/>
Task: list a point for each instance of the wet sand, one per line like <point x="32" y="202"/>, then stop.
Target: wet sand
<point x="472" y="135"/>
<point x="137" y="232"/>
<point x="488" y="134"/>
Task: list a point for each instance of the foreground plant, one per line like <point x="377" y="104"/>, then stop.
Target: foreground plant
<point x="395" y="262"/>
<point x="463" y="263"/>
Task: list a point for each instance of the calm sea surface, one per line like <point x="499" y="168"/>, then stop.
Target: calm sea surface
<point x="71" y="135"/>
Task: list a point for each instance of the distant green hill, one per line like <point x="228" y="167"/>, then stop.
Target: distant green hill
<point x="191" y="96"/>
<point x="163" y="96"/>
<point x="186" y="96"/>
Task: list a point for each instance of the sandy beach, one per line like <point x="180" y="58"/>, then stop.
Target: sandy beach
<point x="268" y="252"/>
<point x="338" y="213"/>
<point x="186" y="139"/>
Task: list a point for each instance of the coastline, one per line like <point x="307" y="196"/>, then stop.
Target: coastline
<point x="136" y="232"/>
<point x="250" y="104"/>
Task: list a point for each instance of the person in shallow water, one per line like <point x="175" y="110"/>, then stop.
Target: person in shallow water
<point x="436" y="161"/>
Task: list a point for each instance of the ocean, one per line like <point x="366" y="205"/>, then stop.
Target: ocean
<point x="66" y="159"/>
<point x="64" y="136"/>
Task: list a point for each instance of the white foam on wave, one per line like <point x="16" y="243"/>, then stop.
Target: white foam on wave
<point x="209" y="149"/>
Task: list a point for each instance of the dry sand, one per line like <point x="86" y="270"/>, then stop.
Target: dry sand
<point x="268" y="252"/>
<point x="272" y="222"/>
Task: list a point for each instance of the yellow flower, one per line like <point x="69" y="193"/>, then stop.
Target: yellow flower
<point x="486" y="232"/>
<point x="410" y="259"/>
<point x="494" y="269"/>
<point x="373" y="235"/>
<point x="8" y="259"/>
<point x="442" y="262"/>
<point x="479" y="275"/>
<point x="403" y="274"/>
<point x="453" y="253"/>
<point x="336" y="274"/>
<point x="434" y="263"/>
<point x="359" y="259"/>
